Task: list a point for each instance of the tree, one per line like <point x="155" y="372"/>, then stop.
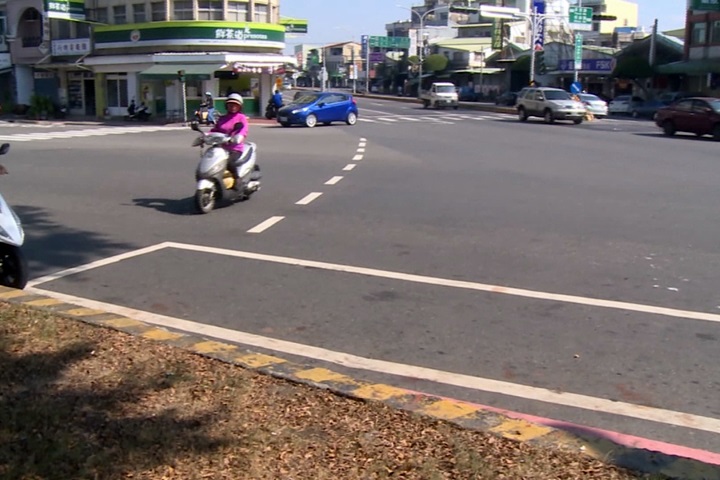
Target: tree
<point x="435" y="63"/>
<point x="312" y="66"/>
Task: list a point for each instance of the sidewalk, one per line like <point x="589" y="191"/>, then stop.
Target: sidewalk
<point x="254" y="120"/>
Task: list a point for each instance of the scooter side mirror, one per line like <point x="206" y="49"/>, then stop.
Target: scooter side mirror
<point x="4" y="148"/>
<point x="238" y="126"/>
<point x="194" y="126"/>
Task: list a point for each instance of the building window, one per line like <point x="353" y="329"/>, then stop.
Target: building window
<point x="699" y="34"/>
<point x="139" y="13"/>
<point x="99" y="15"/>
<point x="237" y="11"/>
<point x="119" y="15"/>
<point x="157" y="12"/>
<point x="210" y="10"/>
<point x="60" y="29"/>
<point x="261" y="13"/>
<point x="183" y="10"/>
<point x="117" y="92"/>
<point x="715" y="32"/>
<point x="82" y="30"/>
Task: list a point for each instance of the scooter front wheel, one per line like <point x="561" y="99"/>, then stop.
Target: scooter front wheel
<point x="13" y="267"/>
<point x="205" y="199"/>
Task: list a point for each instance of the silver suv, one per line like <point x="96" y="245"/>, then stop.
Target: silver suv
<point x="549" y="103"/>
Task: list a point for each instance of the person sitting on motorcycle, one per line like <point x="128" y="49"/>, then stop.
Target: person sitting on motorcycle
<point x="131" y="108"/>
<point x="235" y="124"/>
<point x="277" y="99"/>
<point x="209" y="103"/>
<point x="143" y="113"/>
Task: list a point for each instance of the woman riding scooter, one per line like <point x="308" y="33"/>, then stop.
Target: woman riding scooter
<point x="235" y="124"/>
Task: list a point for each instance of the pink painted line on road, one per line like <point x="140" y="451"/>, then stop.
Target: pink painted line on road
<point x="621" y="439"/>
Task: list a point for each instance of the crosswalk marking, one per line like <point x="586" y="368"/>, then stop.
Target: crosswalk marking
<point x="87" y="132"/>
<point x="452" y="118"/>
<point x="5" y="124"/>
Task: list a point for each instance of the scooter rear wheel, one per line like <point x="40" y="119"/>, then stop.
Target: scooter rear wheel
<point x="205" y="199"/>
<point x="13" y="267"/>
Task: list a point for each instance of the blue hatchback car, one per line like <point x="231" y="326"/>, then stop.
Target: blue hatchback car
<point x="312" y="108"/>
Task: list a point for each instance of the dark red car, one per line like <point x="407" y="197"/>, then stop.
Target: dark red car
<point x="698" y="115"/>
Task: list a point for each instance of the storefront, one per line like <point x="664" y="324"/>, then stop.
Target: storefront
<point x="172" y="84"/>
<point x="595" y="75"/>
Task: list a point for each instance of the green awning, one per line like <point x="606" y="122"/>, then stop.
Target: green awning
<point x="165" y="71"/>
<point x="691" y="67"/>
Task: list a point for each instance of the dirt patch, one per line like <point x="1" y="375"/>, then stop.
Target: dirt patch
<point x="84" y="402"/>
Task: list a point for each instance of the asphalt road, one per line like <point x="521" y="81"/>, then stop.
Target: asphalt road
<point x="530" y="258"/>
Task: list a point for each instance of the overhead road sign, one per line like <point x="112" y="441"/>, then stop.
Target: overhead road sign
<point x="580" y="18"/>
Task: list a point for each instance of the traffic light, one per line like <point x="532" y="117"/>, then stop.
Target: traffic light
<point x="540" y="67"/>
<point x="181" y="75"/>
<point x="601" y="18"/>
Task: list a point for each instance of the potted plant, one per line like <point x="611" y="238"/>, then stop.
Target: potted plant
<point x="41" y="107"/>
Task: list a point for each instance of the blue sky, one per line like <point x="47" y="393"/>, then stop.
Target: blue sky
<point x="343" y="20"/>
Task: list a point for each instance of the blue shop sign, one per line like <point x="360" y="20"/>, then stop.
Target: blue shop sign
<point x="605" y="65"/>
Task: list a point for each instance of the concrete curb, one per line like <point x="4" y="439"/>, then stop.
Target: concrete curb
<point x="537" y="431"/>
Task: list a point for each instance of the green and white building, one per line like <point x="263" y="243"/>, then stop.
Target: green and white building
<point x="96" y="56"/>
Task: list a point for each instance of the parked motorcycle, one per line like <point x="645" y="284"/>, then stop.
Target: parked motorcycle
<point x="13" y="265"/>
<point x="204" y="116"/>
<point x="142" y="114"/>
<point x="271" y="110"/>
<point x="217" y="180"/>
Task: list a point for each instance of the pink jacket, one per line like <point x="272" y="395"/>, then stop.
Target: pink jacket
<point x="226" y="125"/>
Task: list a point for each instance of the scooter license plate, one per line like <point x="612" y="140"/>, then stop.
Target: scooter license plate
<point x="283" y="119"/>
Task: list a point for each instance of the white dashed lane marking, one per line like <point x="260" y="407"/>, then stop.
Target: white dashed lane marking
<point x="261" y="227"/>
<point x="333" y="180"/>
<point x="308" y="198"/>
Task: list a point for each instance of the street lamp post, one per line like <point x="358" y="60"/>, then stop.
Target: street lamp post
<point x="421" y="39"/>
<point x="535" y="19"/>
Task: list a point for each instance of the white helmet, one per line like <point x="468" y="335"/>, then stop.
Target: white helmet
<point x="235" y="98"/>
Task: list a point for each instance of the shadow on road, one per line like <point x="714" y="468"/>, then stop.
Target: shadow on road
<point x="50" y="245"/>
<point x="184" y="206"/>
<point x="678" y="136"/>
<point x="633" y="458"/>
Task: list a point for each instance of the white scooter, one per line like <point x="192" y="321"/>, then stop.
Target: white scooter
<point x="216" y="181"/>
<point x="13" y="265"/>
